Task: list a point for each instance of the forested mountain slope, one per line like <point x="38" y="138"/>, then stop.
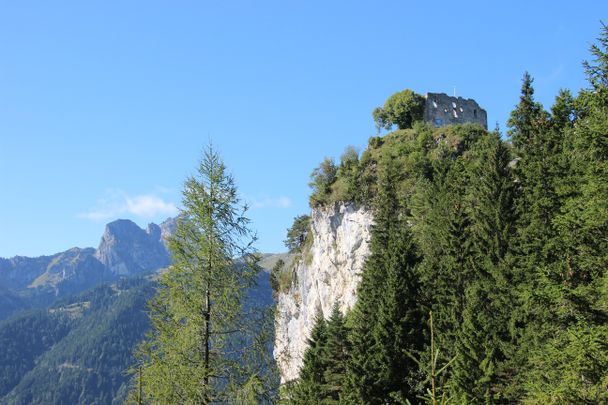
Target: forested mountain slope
<point x="76" y="351"/>
<point x="486" y="280"/>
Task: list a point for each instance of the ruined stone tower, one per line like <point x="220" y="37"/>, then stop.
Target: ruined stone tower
<point x="441" y="109"/>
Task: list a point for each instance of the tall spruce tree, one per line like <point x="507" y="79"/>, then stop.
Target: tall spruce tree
<point x="570" y="366"/>
<point x="202" y="348"/>
<point x="442" y="232"/>
<point x="483" y="341"/>
<point x="386" y="320"/>
<point x="536" y="153"/>
<point x="322" y="376"/>
<point x="337" y="350"/>
<point x="536" y="203"/>
<point x="311" y="385"/>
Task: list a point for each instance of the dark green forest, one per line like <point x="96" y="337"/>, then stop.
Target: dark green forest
<point x="500" y="239"/>
<point x="77" y="351"/>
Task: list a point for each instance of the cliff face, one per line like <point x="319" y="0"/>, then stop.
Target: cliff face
<point x="329" y="271"/>
<point x="126" y="249"/>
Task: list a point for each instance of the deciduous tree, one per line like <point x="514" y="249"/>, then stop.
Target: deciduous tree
<point x="203" y="348"/>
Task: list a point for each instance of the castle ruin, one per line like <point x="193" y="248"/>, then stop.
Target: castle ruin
<point x="441" y="109"/>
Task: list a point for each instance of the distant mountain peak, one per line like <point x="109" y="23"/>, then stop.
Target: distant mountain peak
<point x="126" y="249"/>
<point x="122" y="227"/>
<point x="154" y="231"/>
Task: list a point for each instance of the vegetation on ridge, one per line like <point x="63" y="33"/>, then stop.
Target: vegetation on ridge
<point x="505" y="243"/>
<point x="413" y="152"/>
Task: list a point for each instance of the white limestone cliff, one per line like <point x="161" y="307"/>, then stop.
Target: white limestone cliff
<point x="328" y="271"/>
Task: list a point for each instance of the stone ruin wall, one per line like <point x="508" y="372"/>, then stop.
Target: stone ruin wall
<point x="441" y="109"/>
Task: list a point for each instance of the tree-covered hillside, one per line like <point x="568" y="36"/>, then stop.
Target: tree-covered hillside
<point x="76" y="352"/>
<point x="503" y="243"/>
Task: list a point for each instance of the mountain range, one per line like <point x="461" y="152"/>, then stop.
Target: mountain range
<point x="125" y="250"/>
<point x="69" y="322"/>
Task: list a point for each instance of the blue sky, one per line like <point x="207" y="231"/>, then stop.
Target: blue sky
<point x="106" y="106"/>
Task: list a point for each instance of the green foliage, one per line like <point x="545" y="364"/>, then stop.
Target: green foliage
<point x="401" y="109"/>
<point x="347" y="184"/>
<point x="275" y="274"/>
<point x="337" y="350"/>
<point x="281" y="277"/>
<point x="597" y="70"/>
<point x="566" y="359"/>
<point x="432" y="372"/>
<point x="484" y="337"/>
<point x="23" y="340"/>
<point x="321" y="180"/>
<point x="413" y="151"/>
<point x="570" y="367"/>
<point x="286" y="279"/>
<point x="310" y="386"/>
<point x="386" y="318"/>
<point x="504" y="242"/>
<point x="297" y="234"/>
<point x="323" y="372"/>
<point x="528" y="117"/>
<point x="76" y="351"/>
<point x="202" y="347"/>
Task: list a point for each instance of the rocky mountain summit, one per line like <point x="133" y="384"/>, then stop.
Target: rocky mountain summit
<point x="124" y="250"/>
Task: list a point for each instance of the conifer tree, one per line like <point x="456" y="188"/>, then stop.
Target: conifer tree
<point x="310" y="386"/>
<point x="527" y="117"/>
<point x="442" y="232"/>
<point x="322" y="375"/>
<point x="386" y="320"/>
<point x="202" y="348"/>
<point x="537" y="202"/>
<point x="536" y="153"/>
<point x="483" y="338"/>
<point x="336" y="356"/>
<point x="570" y="366"/>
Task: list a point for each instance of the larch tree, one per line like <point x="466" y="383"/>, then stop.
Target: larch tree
<point x="207" y="343"/>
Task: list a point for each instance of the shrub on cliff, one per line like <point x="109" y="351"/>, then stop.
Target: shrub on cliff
<point x="402" y="109"/>
<point x="321" y="180"/>
<point x="297" y="234"/>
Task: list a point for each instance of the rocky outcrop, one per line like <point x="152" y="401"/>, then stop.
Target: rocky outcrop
<point x="327" y="272"/>
<point x="167" y="228"/>
<point x="127" y="249"/>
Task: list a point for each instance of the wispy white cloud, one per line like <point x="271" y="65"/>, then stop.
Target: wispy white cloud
<point x="117" y="203"/>
<point x="270" y="202"/>
<point x="149" y="206"/>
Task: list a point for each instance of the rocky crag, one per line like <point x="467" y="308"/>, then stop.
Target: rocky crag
<point x="327" y="272"/>
<point x="124" y="250"/>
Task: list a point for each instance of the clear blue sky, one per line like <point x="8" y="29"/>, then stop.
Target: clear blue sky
<point x="105" y="106"/>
